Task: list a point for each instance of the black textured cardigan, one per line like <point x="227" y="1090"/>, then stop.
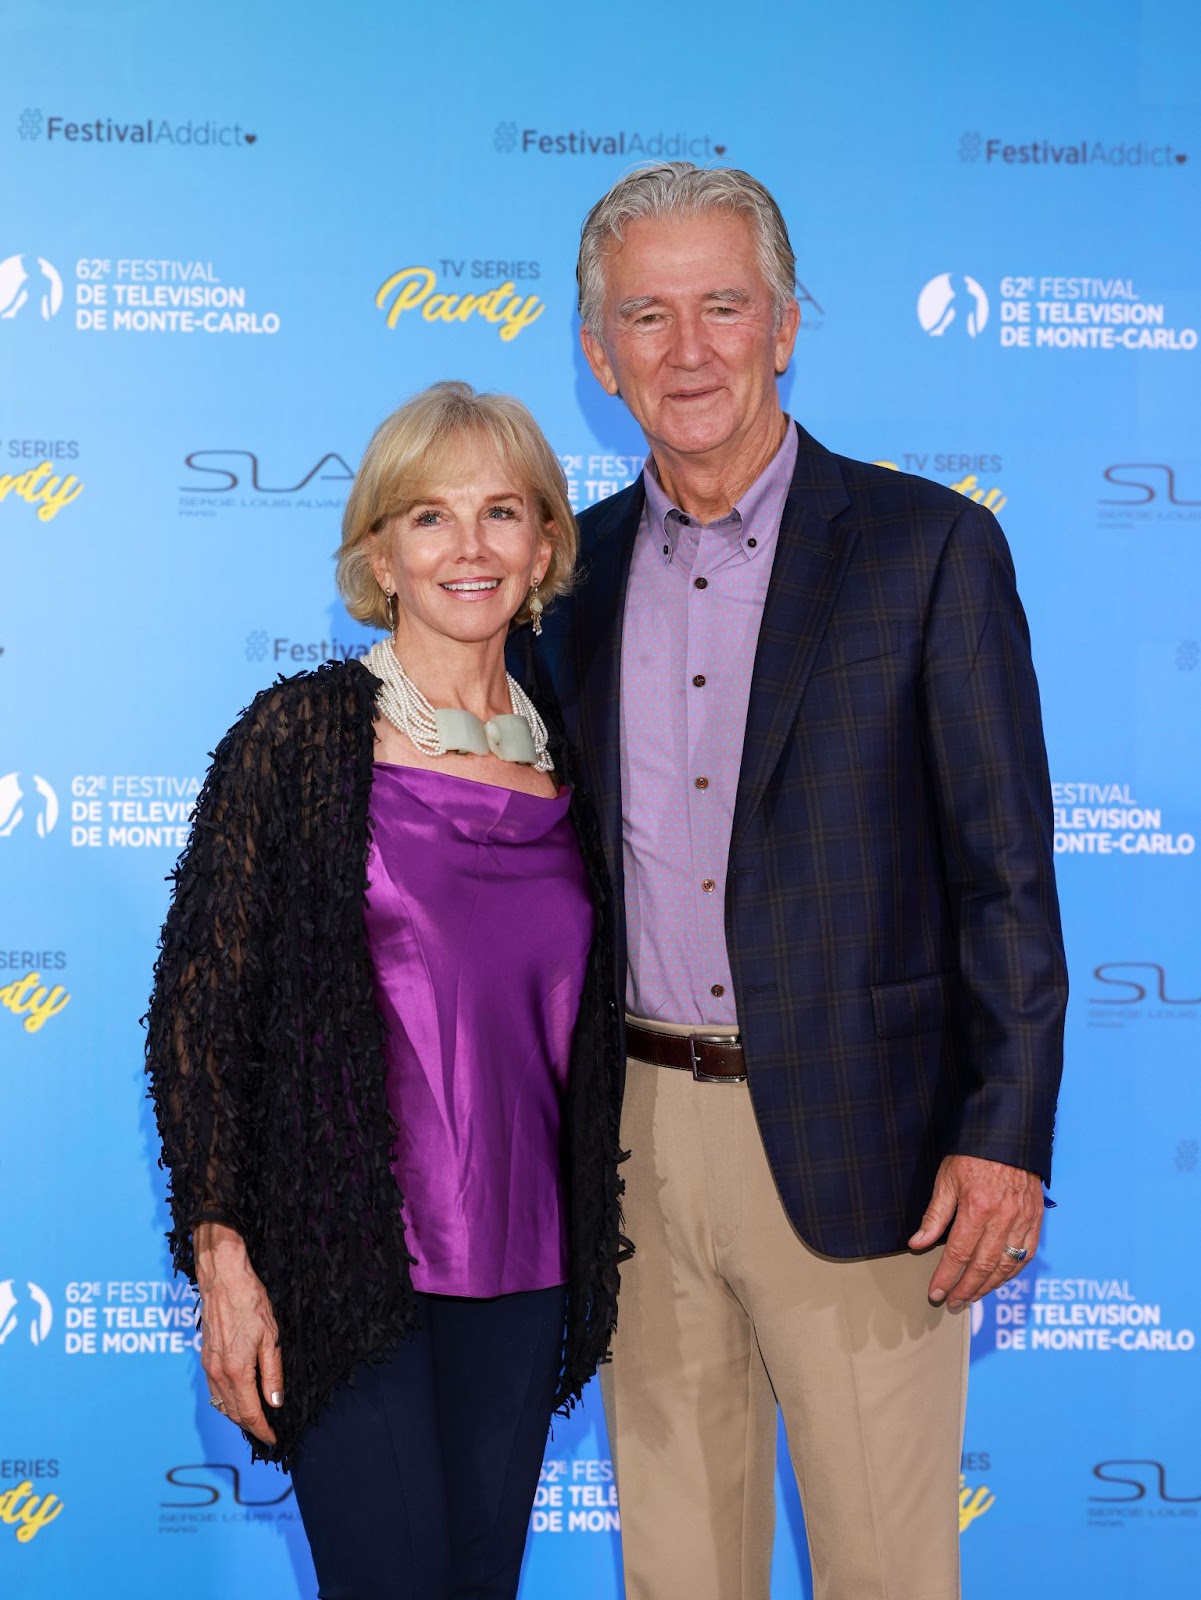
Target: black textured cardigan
<point x="265" y="1055"/>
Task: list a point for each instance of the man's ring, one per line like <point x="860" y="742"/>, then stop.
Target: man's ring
<point x="220" y="1404"/>
<point x="1015" y="1253"/>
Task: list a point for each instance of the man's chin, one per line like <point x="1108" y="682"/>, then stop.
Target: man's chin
<point x="696" y="436"/>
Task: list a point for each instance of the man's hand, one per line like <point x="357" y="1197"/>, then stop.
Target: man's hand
<point x="239" y="1337"/>
<point x="993" y="1206"/>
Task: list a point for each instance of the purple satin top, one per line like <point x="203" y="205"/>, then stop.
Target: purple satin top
<point x="479" y="922"/>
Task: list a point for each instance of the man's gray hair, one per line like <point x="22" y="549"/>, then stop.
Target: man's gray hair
<point x="681" y="189"/>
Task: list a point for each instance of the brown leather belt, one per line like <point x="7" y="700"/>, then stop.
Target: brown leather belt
<point x="711" y="1058"/>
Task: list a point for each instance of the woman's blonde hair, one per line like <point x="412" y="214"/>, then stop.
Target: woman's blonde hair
<point x="408" y="457"/>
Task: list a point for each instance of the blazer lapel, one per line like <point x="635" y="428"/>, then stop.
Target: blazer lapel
<point x="811" y="559"/>
<point x="598" y="615"/>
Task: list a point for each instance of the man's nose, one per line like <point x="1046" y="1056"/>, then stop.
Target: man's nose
<point x="690" y="344"/>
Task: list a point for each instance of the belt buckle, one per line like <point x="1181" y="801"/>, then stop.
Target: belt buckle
<point x="713" y="1038"/>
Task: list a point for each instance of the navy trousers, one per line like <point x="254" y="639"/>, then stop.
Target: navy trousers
<point x="417" y="1480"/>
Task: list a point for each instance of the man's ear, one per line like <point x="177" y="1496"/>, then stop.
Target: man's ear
<point x="786" y="334"/>
<point x="598" y="360"/>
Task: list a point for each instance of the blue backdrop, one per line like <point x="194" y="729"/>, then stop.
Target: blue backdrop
<point x="230" y="241"/>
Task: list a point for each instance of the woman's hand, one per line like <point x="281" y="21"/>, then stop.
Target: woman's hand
<point x="239" y="1336"/>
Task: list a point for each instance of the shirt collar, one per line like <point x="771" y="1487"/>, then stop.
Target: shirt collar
<point x="762" y="502"/>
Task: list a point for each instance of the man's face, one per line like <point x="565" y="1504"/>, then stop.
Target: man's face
<point x="690" y="340"/>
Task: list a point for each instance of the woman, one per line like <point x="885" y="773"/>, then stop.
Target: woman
<point x="382" y="1045"/>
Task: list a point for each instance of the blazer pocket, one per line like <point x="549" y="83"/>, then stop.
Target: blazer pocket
<point x="861" y="641"/>
<point x="918" y="1005"/>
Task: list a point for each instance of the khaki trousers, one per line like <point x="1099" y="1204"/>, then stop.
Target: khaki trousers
<point x="724" y="1314"/>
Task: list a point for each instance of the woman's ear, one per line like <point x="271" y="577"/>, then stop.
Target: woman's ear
<point x="546" y="552"/>
<point x="379" y="559"/>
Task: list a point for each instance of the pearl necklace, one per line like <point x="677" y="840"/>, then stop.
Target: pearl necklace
<point x="407" y="709"/>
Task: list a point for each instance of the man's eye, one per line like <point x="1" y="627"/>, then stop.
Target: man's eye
<point x="648" y="319"/>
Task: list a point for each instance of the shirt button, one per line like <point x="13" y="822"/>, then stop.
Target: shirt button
<point x="666" y="549"/>
<point x="718" y="989"/>
<point x="708" y="885"/>
<point x="752" y="543"/>
<point x="700" y="583"/>
<point x="699" y="681"/>
<point x="683" y="520"/>
<point x="701" y="783"/>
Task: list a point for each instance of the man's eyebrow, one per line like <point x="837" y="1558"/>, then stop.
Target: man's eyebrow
<point x="630" y="308"/>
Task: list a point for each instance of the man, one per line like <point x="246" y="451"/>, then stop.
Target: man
<point x="803" y="693"/>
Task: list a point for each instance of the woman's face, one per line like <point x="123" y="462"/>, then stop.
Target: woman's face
<point x="462" y="561"/>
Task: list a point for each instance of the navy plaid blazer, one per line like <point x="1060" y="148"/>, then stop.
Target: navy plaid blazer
<point x="890" y="910"/>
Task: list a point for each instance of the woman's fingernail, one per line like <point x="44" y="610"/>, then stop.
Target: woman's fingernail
<point x="277" y="1399"/>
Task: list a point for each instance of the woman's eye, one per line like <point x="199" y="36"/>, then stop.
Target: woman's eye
<point x="426" y="519"/>
<point x="503" y="513"/>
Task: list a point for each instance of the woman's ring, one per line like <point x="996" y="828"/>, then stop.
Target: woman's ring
<point x="220" y="1404"/>
<point x="1015" y="1253"/>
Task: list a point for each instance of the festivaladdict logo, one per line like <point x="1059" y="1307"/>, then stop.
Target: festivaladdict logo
<point x="260" y="645"/>
<point x="635" y="144"/>
<point x="205" y="134"/>
<point x="1078" y="154"/>
<point x="940" y="305"/>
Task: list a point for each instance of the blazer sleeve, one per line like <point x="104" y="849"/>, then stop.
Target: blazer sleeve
<point x="204" y="1042"/>
<point x="984" y="746"/>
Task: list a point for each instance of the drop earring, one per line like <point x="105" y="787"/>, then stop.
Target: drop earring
<point x="390" y="610"/>
<point x="535" y="604"/>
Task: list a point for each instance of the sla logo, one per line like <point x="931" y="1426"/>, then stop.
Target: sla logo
<point x="940" y="303"/>
<point x="16" y="1311"/>
<point x="1139" y="1492"/>
<point x="15" y="276"/>
<point x="207" y="1479"/>
<point x="1138" y="989"/>
<point x="196" y="1487"/>
<point x="12" y="808"/>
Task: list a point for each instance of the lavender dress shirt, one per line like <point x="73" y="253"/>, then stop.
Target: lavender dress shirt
<point x="693" y="608"/>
